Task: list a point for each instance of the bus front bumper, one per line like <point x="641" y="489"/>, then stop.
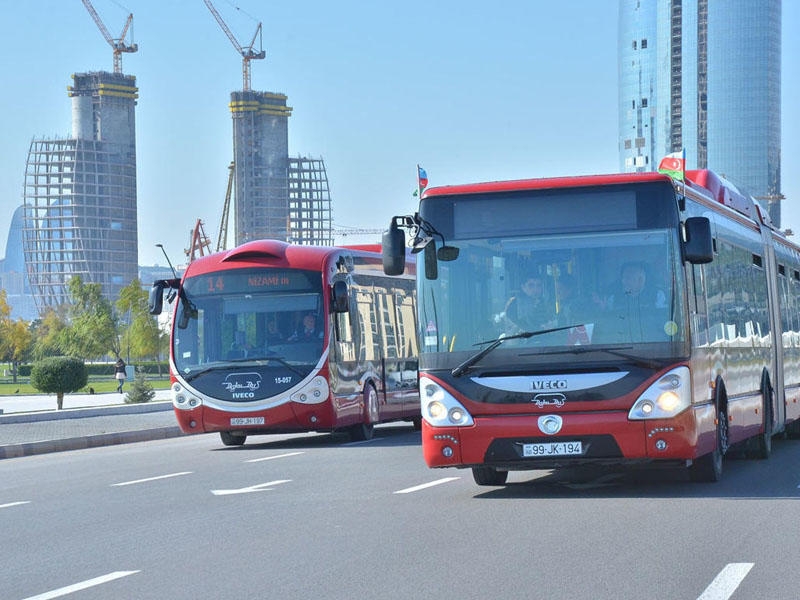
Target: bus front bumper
<point x="515" y="442"/>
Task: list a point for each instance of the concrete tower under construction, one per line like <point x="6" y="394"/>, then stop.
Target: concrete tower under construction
<point x="80" y="194"/>
<point x="260" y="155"/>
<point x="276" y="197"/>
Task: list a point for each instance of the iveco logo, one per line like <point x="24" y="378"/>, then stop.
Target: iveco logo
<point x="548" y="384"/>
<point x="550" y="424"/>
<point x="542" y="400"/>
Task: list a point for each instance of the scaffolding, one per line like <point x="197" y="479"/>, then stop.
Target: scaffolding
<point x="79" y="219"/>
<point x="310" y="221"/>
<point x="80" y="195"/>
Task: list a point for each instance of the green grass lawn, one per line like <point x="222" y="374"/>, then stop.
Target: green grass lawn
<point x="7" y="388"/>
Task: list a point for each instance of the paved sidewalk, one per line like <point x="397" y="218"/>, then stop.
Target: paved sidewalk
<point x="32" y="425"/>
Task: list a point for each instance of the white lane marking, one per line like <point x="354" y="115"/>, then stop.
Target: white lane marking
<point x="151" y="479"/>
<point x="10" y="504"/>
<point x="261" y="487"/>
<point x="253" y="460"/>
<point x="82" y="585"/>
<point x="417" y="488"/>
<point x="726" y="582"/>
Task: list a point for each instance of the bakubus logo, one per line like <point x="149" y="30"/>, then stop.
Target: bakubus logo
<point x="242" y="385"/>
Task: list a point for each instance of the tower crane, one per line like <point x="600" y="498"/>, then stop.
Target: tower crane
<point x="247" y="53"/>
<point x="222" y="238"/>
<point x="118" y="45"/>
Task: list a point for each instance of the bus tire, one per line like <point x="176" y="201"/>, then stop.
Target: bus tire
<point x="232" y="439"/>
<point x="416" y="423"/>
<point x="708" y="468"/>
<point x="366" y="429"/>
<point x="489" y="476"/>
<point x="763" y="441"/>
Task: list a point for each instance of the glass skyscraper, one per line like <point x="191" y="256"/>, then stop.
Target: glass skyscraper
<point x="704" y="76"/>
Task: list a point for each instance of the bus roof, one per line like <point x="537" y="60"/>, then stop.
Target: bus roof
<point x="545" y="183"/>
<point x="702" y="181"/>
<point x="277" y="253"/>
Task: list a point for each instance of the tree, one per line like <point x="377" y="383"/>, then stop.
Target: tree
<point x="141" y="390"/>
<point x="15" y="338"/>
<point x="47" y="333"/>
<point x="92" y="330"/>
<point x="142" y="336"/>
<point x="59" y="375"/>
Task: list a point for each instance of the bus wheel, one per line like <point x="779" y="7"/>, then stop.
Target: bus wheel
<point x="489" y="476"/>
<point x="232" y="439"/>
<point x="708" y="468"/>
<point x="366" y="429"/>
<point x="416" y="422"/>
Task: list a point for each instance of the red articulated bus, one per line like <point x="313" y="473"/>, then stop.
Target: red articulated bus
<point x="618" y="319"/>
<point x="271" y="337"/>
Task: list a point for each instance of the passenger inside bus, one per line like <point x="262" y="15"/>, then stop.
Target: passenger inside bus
<point x="273" y="335"/>
<point x="573" y="307"/>
<point x="633" y="288"/>
<point x="530" y="309"/>
<point x="307" y="331"/>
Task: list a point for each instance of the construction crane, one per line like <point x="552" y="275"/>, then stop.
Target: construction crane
<point x="247" y="53"/>
<point x="118" y="45"/>
<point x="222" y="238"/>
<point x="198" y="242"/>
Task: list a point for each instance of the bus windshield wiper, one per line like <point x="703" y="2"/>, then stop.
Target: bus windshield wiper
<point x="467" y="364"/>
<point x="220" y="366"/>
<point x="215" y="367"/>
<point x="636" y="360"/>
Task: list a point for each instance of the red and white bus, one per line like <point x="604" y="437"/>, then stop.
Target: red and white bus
<point x="271" y="337"/>
<point x="707" y="358"/>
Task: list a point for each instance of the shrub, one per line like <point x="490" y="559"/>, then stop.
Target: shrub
<point x="59" y="375"/>
<point x="141" y="390"/>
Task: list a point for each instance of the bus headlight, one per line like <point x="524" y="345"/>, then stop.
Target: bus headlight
<point x="183" y="398"/>
<point x="667" y="397"/>
<point x="315" y="392"/>
<point x="439" y="408"/>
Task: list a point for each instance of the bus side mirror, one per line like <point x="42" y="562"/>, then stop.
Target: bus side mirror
<point x="339" y="300"/>
<point x="155" y="302"/>
<point x="186" y="311"/>
<point x="698" y="245"/>
<point x="393" y="250"/>
<point x="431" y="262"/>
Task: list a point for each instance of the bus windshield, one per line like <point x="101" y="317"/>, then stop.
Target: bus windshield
<point x="257" y="316"/>
<point x="615" y="289"/>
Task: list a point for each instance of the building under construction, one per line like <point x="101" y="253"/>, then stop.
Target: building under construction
<point x="276" y="196"/>
<point x="80" y="194"/>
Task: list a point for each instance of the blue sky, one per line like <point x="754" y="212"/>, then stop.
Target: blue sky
<point x="471" y="91"/>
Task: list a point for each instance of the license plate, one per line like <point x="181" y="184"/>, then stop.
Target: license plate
<point x="552" y="449"/>
<point x="247" y="420"/>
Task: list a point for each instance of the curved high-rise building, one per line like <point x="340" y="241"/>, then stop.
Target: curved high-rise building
<point x="703" y="76"/>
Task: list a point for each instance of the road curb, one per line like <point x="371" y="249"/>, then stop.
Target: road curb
<point x="88" y="441"/>
<point x="82" y="413"/>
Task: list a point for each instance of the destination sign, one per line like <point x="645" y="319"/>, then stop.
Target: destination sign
<point x="254" y="280"/>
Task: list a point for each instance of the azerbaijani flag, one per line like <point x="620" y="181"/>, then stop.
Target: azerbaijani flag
<point x="674" y="165"/>
<point x="422" y="176"/>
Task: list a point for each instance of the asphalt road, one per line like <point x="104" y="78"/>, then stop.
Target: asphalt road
<point x="318" y="516"/>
